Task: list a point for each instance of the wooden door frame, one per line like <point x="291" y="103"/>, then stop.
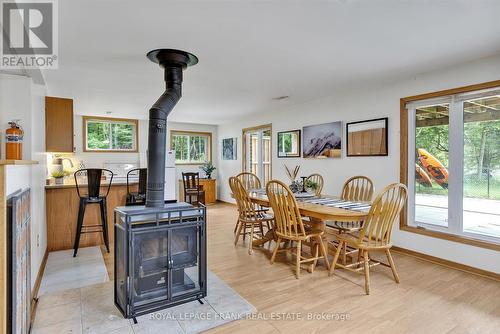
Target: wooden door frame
<point x="244" y="145"/>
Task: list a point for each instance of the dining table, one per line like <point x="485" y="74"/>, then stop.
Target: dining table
<point x="319" y="209"/>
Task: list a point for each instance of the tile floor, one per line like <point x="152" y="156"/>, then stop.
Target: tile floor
<point x="90" y="309"/>
<point x="63" y="271"/>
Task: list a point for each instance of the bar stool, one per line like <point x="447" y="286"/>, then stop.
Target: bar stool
<point x="191" y="182"/>
<point x="139" y="197"/>
<point x="88" y="187"/>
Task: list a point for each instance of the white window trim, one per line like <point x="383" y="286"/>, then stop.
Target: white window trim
<point x="455" y="165"/>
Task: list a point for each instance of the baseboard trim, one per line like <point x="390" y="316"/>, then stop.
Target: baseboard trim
<point x="36" y="287"/>
<point x="447" y="263"/>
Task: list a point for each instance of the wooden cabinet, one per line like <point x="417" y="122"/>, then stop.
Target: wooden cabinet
<point x="62" y="203"/>
<point x="58" y="124"/>
<point x="210" y="187"/>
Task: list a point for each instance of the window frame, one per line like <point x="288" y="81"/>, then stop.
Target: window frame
<point x="134" y="122"/>
<point x="192" y="133"/>
<point x="406" y="137"/>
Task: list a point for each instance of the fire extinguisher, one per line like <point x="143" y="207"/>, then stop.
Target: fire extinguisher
<point x="14" y="141"/>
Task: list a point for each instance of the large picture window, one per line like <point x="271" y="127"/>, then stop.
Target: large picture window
<point x="101" y="134"/>
<point x="452" y="163"/>
<point x="191" y="147"/>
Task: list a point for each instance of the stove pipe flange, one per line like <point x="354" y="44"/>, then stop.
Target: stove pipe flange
<point x="173" y="62"/>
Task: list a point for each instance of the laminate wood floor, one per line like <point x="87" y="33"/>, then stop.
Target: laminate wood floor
<point x="430" y="298"/>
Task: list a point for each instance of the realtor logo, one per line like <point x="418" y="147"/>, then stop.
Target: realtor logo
<point x="29" y="34"/>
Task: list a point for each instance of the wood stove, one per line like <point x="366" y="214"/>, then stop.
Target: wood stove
<point x="160" y="257"/>
<point x="160" y="249"/>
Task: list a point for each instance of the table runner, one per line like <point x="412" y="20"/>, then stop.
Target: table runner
<point x="333" y="202"/>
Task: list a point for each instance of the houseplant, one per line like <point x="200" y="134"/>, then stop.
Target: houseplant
<point x="58" y="176"/>
<point x="208" y="168"/>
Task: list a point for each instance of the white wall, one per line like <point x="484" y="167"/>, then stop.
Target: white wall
<point x="360" y="103"/>
<point x="21" y="99"/>
<point x="15" y="103"/>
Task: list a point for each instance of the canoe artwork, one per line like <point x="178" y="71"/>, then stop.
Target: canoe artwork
<point x="422" y="177"/>
<point x="433" y="167"/>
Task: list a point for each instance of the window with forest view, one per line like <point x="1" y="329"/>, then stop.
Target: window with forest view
<point x="191" y="147"/>
<point x="110" y="134"/>
<point x="454" y="171"/>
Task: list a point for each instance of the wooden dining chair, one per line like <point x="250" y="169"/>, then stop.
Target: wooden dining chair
<point x="249" y="180"/>
<point x="356" y="188"/>
<point x="289" y="226"/>
<point x="318" y="180"/>
<point x="249" y="215"/>
<point x="376" y="233"/>
<point x="193" y="192"/>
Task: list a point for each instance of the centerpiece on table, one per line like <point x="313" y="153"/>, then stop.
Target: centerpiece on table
<point x="304" y="188"/>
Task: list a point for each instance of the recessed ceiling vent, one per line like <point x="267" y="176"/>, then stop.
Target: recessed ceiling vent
<point x="279" y="98"/>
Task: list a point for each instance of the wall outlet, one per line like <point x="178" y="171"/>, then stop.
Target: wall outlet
<point x="38" y="240"/>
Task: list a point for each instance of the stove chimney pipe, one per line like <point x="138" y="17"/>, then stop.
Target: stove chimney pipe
<point x="173" y="62"/>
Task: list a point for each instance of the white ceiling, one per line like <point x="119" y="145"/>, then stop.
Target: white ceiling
<point x="252" y="51"/>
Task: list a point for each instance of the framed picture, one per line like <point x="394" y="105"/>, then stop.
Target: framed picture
<point x="19" y="265"/>
<point x="367" y="138"/>
<point x="229" y="148"/>
<point x="289" y="144"/>
<point x="322" y="140"/>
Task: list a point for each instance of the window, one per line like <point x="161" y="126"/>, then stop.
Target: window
<point x="452" y="163"/>
<point x="191" y="147"/>
<point x="102" y="134"/>
<point x="257" y="152"/>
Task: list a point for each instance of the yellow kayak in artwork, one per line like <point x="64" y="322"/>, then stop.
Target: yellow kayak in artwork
<point x="434" y="167"/>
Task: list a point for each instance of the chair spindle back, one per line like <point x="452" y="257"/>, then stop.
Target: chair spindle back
<point x="358" y="188"/>
<point x="377" y="229"/>
<point x="249" y="180"/>
<point x="246" y="207"/>
<point x="191" y="180"/>
<point x="286" y="212"/>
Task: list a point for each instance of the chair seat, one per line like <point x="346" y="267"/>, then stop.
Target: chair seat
<point x="345" y="226"/>
<point x="310" y="232"/>
<point x="353" y="240"/>
<point x="259" y="217"/>
<point x="194" y="191"/>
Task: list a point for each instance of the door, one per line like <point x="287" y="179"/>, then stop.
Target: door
<point x="257" y="152"/>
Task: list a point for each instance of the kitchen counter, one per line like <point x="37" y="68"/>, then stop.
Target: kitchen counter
<point x="62" y="204"/>
<point x="71" y="184"/>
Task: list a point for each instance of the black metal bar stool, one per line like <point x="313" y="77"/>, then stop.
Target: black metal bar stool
<point x="88" y="187"/>
<point x="139" y="197"/>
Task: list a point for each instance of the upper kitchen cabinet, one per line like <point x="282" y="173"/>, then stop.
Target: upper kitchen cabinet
<point x="58" y="124"/>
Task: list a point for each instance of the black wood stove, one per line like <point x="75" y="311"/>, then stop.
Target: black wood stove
<point x="160" y="257"/>
<point x="160" y="249"/>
